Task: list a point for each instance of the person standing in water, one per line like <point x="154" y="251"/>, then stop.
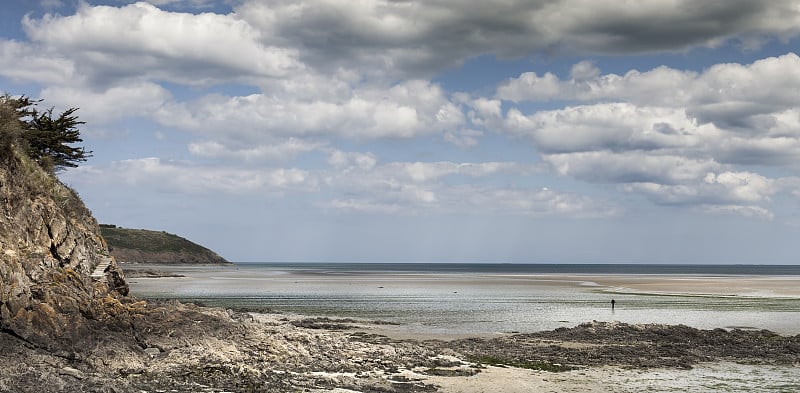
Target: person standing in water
<point x="612" y="304"/>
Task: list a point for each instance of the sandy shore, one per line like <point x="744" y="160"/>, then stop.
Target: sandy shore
<point x="663" y="284"/>
<point x="709" y="377"/>
<point x="456" y="305"/>
<point x="762" y="286"/>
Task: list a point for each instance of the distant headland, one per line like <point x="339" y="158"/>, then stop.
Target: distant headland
<point x="147" y="246"/>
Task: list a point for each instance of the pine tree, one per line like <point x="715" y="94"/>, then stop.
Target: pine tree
<point x="50" y="139"/>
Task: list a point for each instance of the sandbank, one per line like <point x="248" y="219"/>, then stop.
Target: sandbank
<point x="753" y="286"/>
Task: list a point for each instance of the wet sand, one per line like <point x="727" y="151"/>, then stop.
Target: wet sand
<point x="761" y="286"/>
<point x="728" y="285"/>
<point x="709" y="377"/>
<point x="457" y="305"/>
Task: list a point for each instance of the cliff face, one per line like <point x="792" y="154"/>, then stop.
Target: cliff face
<point x="57" y="281"/>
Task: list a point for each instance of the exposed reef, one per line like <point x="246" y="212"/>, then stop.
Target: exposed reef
<point x="185" y="348"/>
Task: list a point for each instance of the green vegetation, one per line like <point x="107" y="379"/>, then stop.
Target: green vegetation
<point x="144" y="246"/>
<point x="27" y="180"/>
<point x="495" y="361"/>
<point x="144" y="240"/>
<point x="47" y="139"/>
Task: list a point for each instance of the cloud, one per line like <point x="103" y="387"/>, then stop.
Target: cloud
<point x="355" y="182"/>
<point x="326" y="71"/>
<point x="362" y="206"/>
<point x="676" y="137"/>
<point x="182" y="3"/>
<point x="428" y="171"/>
<point x="746" y="211"/>
<point x="113" y="43"/>
<point x="446" y="187"/>
<point x="728" y="95"/>
<point x="23" y="62"/>
<point x="732" y="113"/>
<point x="463" y="138"/>
<point x="382" y="39"/>
<point x="405" y="110"/>
<point x="538" y="203"/>
<point x="617" y="27"/>
<point x="614" y="127"/>
<point x="481" y="200"/>
<point x="718" y="189"/>
<point x="283" y="151"/>
<point x="630" y="167"/>
<point x="416" y="38"/>
<point x="356" y="169"/>
<point x="166" y="176"/>
<point x="378" y="40"/>
<point x="348" y="161"/>
<point x="103" y="107"/>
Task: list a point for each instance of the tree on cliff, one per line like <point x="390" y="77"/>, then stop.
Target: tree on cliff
<point x="50" y="139"/>
<point x="47" y="139"/>
<point x="11" y="127"/>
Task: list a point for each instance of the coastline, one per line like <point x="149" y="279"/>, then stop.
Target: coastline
<point x="282" y="351"/>
<point x="186" y="348"/>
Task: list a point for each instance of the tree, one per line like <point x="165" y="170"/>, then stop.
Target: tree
<point x="12" y="127"/>
<point x="46" y="139"/>
<point x="50" y="139"/>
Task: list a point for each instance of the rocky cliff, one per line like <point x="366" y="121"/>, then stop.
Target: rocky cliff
<point x="144" y="246"/>
<point x="57" y="280"/>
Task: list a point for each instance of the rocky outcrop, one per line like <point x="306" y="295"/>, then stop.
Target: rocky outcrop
<point x="184" y="348"/>
<point x="49" y="246"/>
<point x="627" y="345"/>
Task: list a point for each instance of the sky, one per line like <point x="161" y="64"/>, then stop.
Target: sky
<point x="517" y="131"/>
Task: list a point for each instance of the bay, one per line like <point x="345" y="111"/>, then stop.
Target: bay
<point x="489" y="299"/>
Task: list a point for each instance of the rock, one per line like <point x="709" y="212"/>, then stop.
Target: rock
<point x="621" y="344"/>
<point x="72" y="372"/>
<point x="49" y="245"/>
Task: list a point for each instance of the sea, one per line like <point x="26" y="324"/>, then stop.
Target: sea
<point x="452" y="299"/>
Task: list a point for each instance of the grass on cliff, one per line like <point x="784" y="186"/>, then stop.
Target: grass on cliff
<point x="151" y="241"/>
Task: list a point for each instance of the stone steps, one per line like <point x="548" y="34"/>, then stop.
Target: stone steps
<point x="100" y="271"/>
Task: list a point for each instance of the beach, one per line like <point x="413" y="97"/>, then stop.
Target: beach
<point x="172" y="346"/>
<point x="440" y="304"/>
<point x="360" y="330"/>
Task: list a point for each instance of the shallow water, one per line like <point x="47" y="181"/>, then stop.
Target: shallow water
<point x="460" y="301"/>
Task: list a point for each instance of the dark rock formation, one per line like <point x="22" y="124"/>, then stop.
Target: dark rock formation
<point x="644" y="346"/>
<point x="50" y="246"/>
